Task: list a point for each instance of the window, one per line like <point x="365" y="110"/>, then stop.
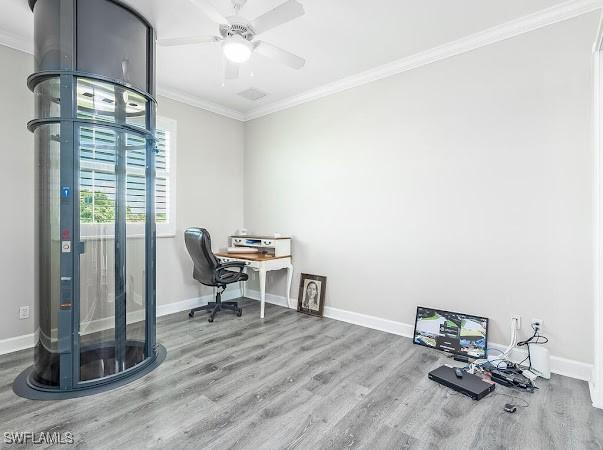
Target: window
<point x="98" y="149"/>
<point x="165" y="189"/>
<point x="98" y="180"/>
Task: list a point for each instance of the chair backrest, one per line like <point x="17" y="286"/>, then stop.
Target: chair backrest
<point x="198" y="244"/>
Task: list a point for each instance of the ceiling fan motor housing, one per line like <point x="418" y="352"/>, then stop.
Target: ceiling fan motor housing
<point x="238" y="26"/>
<point x="237" y="34"/>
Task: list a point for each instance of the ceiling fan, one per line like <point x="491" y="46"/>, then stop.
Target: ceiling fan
<point x="237" y="34"/>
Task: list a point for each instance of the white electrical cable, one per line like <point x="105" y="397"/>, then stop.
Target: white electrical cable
<point x="511" y="346"/>
<point x="504" y="355"/>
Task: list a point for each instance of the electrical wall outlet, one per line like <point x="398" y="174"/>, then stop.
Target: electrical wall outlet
<point x="24" y="312"/>
<point x="517" y="319"/>
<point x="537" y="324"/>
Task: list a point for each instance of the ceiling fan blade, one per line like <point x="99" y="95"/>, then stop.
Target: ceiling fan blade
<point x="283" y="13"/>
<point x="187" y="40"/>
<point x="279" y="55"/>
<point x="210" y="11"/>
<point x="231" y="71"/>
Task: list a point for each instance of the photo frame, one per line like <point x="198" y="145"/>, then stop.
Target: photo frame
<point x="311" y="298"/>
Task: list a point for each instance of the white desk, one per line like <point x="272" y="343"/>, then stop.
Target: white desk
<point x="262" y="263"/>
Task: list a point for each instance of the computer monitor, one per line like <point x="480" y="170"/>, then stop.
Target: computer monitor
<point x="451" y="332"/>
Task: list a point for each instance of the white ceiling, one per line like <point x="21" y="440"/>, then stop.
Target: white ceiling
<point x="338" y="38"/>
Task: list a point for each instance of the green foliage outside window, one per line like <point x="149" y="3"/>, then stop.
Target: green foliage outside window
<point x="97" y="207"/>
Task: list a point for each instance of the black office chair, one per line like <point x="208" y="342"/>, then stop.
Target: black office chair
<point x="208" y="271"/>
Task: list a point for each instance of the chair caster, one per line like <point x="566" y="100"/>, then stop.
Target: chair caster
<point x="191" y="314"/>
<point x="239" y="312"/>
<point x="210" y="320"/>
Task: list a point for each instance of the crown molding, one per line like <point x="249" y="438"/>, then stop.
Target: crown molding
<point x="550" y="16"/>
<point x="25" y="45"/>
<point x="16" y="42"/>
<point x="200" y="103"/>
<point x="516" y="27"/>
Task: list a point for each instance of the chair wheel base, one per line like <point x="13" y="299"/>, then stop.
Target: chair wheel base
<point x="215" y="307"/>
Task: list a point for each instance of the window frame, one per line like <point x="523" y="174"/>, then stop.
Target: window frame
<point x="168" y="229"/>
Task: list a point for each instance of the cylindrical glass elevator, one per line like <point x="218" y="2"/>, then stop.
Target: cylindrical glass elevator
<point x="94" y="134"/>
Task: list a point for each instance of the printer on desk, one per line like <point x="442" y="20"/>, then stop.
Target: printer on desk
<point x="277" y="247"/>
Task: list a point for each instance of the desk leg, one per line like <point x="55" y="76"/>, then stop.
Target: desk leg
<point x="243" y="285"/>
<point x="262" y="290"/>
<point x="289" y="281"/>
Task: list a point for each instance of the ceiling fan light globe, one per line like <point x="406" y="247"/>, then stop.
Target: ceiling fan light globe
<point x="236" y="49"/>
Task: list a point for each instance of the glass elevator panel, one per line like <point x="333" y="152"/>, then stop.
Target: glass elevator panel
<point x="98" y="192"/>
<point x="136" y="212"/>
<point x="48" y="98"/>
<point x="48" y="249"/>
<point x="98" y="100"/>
<point x="94" y="135"/>
<point x="113" y="183"/>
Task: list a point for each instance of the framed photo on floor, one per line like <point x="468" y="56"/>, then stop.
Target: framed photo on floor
<point x="311" y="298"/>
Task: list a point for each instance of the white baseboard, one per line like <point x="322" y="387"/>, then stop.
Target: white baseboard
<point x="559" y="365"/>
<point x="270" y="298"/>
<point x="16" y="343"/>
<point x="376" y="323"/>
<point x="364" y="320"/>
<point x="183" y="305"/>
<point x="28" y="341"/>
<point x="190" y="303"/>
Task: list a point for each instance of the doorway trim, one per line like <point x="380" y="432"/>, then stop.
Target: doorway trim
<point x="596" y="385"/>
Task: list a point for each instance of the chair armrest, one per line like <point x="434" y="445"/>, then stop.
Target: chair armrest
<point x="237" y="264"/>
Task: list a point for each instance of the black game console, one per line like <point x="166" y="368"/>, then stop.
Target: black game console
<point x="470" y="385"/>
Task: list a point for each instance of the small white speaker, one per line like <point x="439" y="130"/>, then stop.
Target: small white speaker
<point x="541" y="360"/>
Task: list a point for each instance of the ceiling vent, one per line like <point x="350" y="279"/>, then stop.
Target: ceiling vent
<point x="253" y="94"/>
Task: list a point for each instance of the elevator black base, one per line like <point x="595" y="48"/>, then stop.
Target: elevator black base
<point x="23" y="387"/>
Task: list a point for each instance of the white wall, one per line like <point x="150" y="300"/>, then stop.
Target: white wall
<point x="209" y="192"/>
<point x="17" y="186"/>
<point x="464" y="185"/>
<point x="209" y="160"/>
